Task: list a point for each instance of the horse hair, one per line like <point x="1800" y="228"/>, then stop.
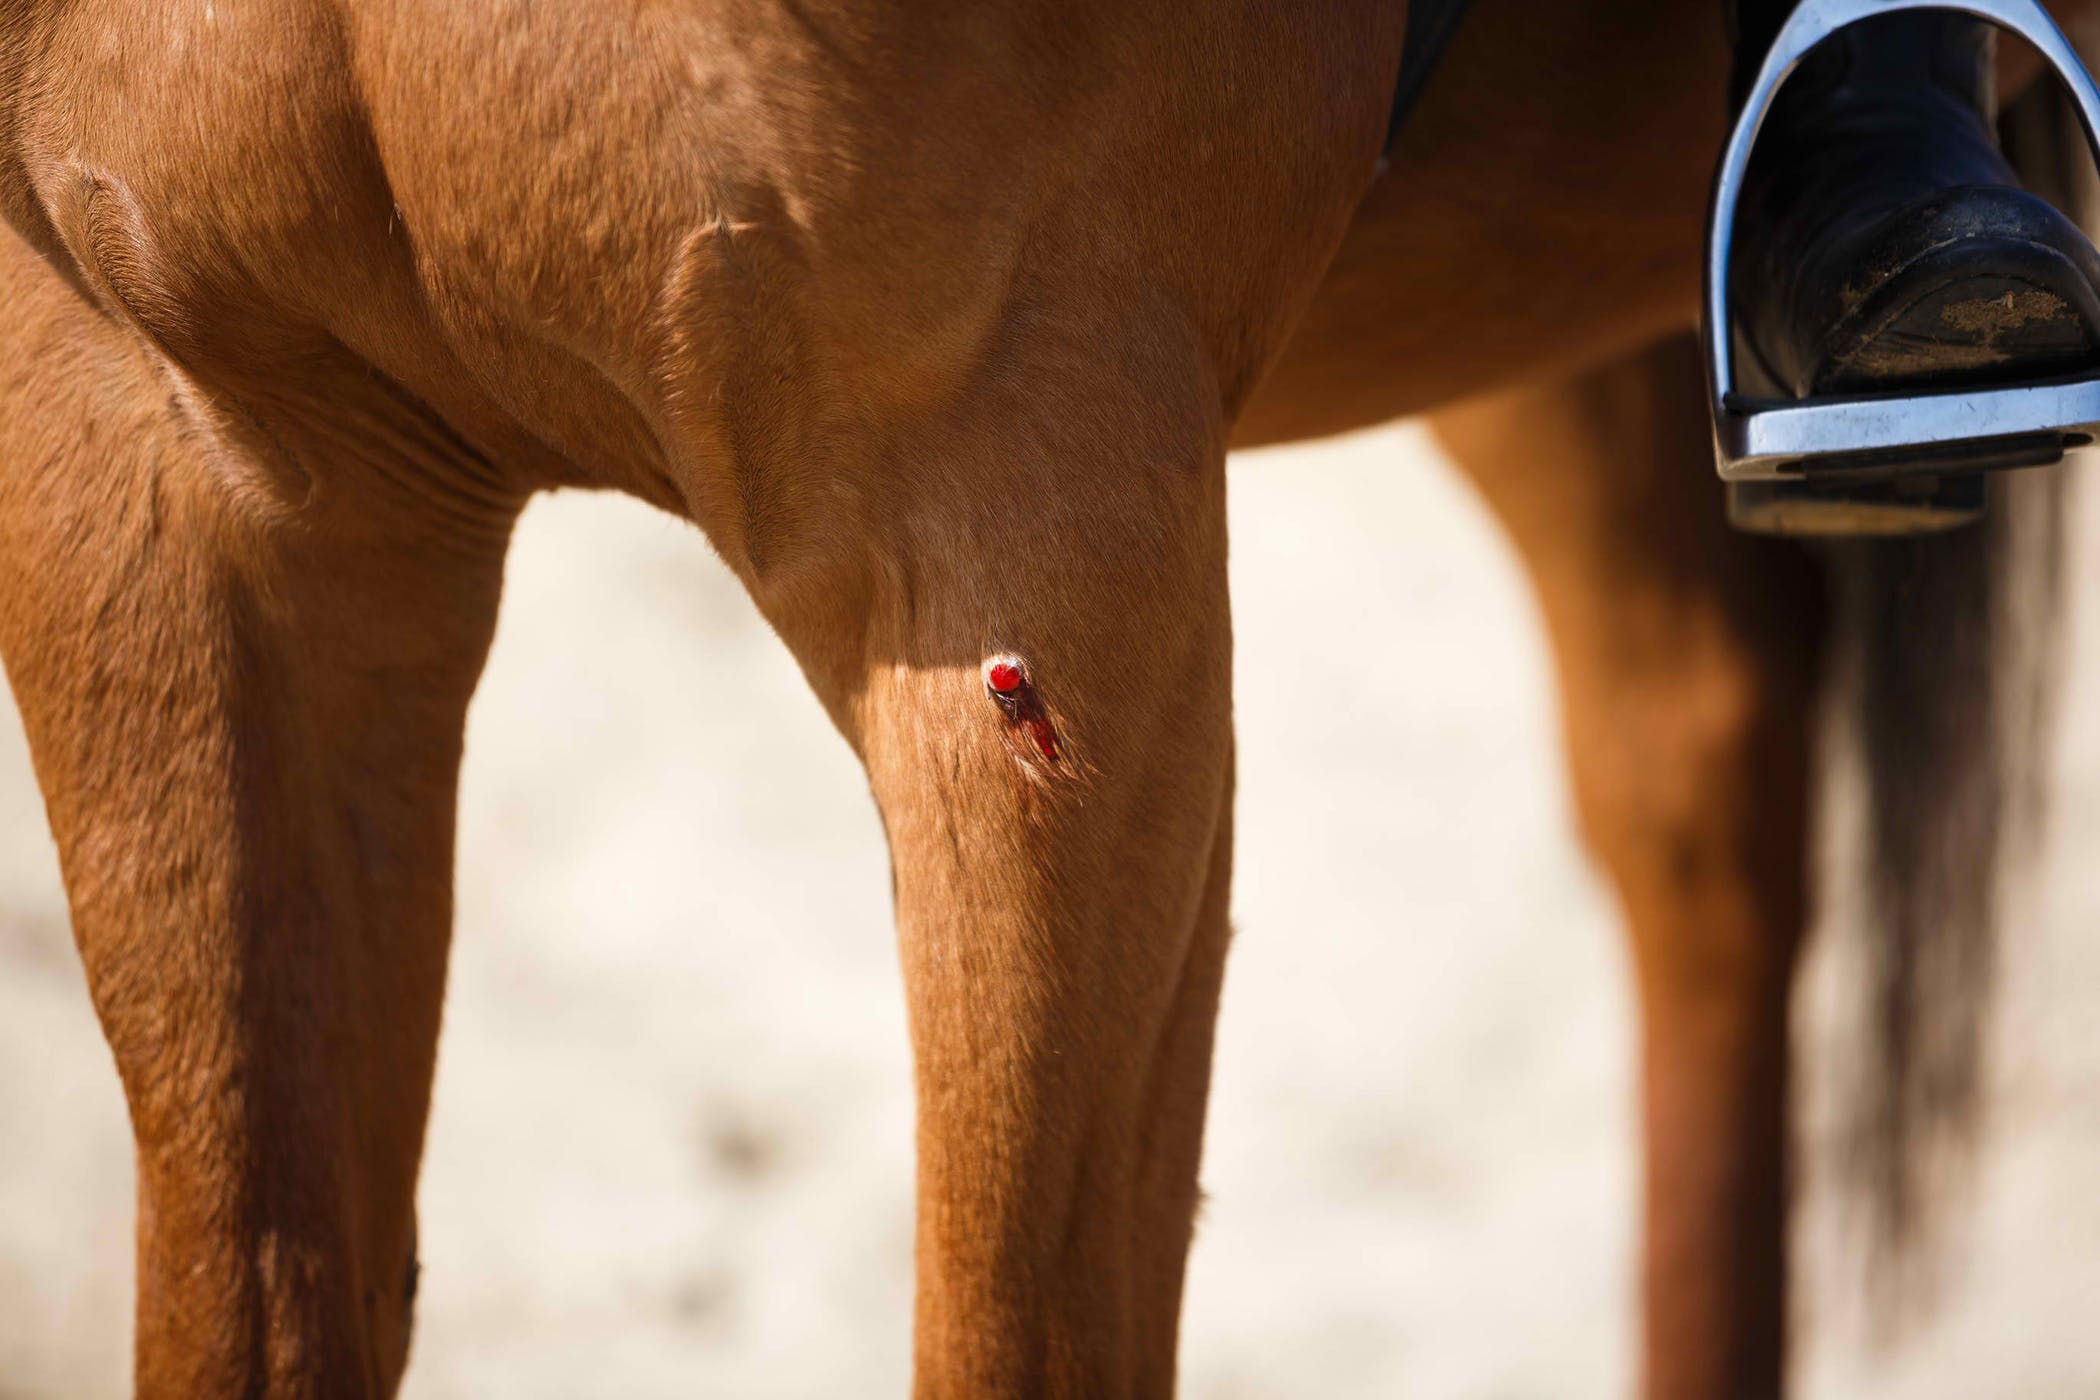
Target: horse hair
<point x="1948" y="646"/>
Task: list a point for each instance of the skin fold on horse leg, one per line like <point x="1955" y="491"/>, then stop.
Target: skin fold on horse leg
<point x="245" y="707"/>
<point x="1687" y="658"/>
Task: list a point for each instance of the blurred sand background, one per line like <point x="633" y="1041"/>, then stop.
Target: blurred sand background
<point x="671" y="1146"/>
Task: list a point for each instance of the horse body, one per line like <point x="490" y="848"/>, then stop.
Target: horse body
<point x="938" y="322"/>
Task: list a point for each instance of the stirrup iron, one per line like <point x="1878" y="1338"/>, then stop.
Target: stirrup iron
<point x="1894" y="435"/>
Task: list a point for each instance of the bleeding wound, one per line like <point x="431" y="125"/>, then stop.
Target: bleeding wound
<point x="1006" y="681"/>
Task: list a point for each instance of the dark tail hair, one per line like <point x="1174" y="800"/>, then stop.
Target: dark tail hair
<point x="1944" y="646"/>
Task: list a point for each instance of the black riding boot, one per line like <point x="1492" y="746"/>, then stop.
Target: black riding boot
<point x="1882" y="241"/>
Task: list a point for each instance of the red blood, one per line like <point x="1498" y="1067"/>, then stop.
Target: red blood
<point x="1004" y="677"/>
<point x="1045" y="737"/>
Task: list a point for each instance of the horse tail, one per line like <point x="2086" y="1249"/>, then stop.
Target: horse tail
<point x="1944" y="646"/>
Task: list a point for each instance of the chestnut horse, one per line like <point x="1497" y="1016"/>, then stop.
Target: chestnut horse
<point x="939" y="321"/>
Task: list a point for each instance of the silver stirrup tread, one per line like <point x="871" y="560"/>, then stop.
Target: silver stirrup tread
<point x="1780" y="439"/>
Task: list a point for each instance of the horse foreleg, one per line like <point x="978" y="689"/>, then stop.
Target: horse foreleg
<point x="1028" y="644"/>
<point x="245" y="707"/>
<point x="1686" y="656"/>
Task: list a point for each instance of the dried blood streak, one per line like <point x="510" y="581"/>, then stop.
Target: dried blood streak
<point x="1045" y="737"/>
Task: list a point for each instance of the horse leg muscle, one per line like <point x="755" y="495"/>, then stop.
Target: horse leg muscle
<point x="1686" y="656"/>
<point x="245" y="708"/>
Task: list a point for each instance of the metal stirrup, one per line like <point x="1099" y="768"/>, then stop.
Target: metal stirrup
<point x="1777" y="439"/>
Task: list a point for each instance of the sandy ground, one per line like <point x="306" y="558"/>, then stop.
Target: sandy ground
<point x="671" y="1146"/>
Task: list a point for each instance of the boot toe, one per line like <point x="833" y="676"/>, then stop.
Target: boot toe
<point x="1971" y="285"/>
